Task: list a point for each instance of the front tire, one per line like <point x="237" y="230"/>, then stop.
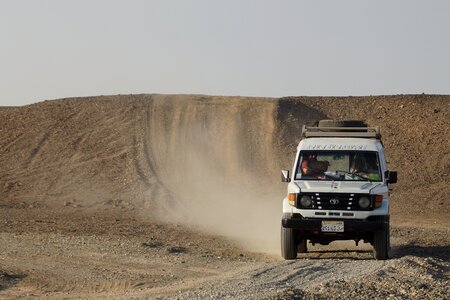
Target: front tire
<point x="381" y="244"/>
<point x="288" y="243"/>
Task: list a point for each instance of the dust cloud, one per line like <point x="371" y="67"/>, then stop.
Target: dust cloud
<point x="234" y="207"/>
<point x="215" y="162"/>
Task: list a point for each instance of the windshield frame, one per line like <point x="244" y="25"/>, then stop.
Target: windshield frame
<point x="349" y="152"/>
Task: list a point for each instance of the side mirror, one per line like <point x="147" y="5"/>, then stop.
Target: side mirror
<point x="285" y="176"/>
<point x="392" y="177"/>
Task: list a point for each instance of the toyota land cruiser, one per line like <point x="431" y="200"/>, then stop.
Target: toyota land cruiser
<point x="338" y="190"/>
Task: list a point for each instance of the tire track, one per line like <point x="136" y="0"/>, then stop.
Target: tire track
<point x="35" y="151"/>
<point x="144" y="162"/>
<point x="148" y="153"/>
<point x="137" y="164"/>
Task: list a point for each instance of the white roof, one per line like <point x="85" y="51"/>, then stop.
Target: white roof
<point x="358" y="144"/>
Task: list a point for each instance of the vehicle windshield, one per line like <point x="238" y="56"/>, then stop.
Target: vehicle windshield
<point x="338" y="166"/>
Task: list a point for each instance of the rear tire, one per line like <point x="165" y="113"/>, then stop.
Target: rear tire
<point x="288" y="242"/>
<point x="302" y="246"/>
<point x="381" y="244"/>
<point x="342" y="123"/>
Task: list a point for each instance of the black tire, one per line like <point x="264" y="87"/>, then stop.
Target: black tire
<point x="381" y="244"/>
<point x="342" y="123"/>
<point x="288" y="242"/>
<point x="302" y="246"/>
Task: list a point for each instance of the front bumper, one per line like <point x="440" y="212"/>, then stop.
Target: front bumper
<point x="315" y="225"/>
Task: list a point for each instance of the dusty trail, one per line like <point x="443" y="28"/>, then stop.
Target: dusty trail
<point x="115" y="255"/>
<point x="178" y="196"/>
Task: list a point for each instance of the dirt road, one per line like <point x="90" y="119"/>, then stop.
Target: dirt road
<point x="153" y="196"/>
<point x="71" y="254"/>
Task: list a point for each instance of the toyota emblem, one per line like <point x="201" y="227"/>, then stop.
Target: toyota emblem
<point x="334" y="201"/>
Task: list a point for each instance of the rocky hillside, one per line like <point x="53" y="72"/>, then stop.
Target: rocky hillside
<point x="138" y="150"/>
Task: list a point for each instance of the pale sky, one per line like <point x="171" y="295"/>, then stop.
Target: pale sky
<point x="57" y="49"/>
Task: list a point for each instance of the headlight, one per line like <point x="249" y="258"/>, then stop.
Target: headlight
<point x="364" y="202"/>
<point x="305" y="201"/>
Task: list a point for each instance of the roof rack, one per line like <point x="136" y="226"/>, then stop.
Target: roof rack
<point x="356" y="132"/>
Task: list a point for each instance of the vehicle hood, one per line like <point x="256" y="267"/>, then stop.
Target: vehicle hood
<point x="357" y="187"/>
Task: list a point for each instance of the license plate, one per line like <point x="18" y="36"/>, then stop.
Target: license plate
<point x="332" y="226"/>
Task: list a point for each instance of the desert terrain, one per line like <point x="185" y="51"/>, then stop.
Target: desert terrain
<point x="179" y="197"/>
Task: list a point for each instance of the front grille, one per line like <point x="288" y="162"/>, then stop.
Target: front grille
<point x="335" y="201"/>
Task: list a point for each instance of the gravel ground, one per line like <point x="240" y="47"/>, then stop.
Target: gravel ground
<point x="111" y="254"/>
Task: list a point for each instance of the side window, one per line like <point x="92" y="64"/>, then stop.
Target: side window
<point x="298" y="171"/>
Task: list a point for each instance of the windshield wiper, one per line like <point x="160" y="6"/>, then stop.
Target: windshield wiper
<point x="359" y="176"/>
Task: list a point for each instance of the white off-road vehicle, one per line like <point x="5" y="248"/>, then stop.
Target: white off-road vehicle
<point x="338" y="190"/>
